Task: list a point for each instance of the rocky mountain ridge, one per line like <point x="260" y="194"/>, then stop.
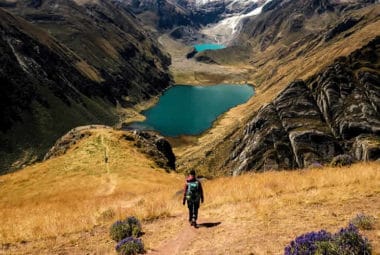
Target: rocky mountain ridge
<point x="288" y="21"/>
<point x="188" y="17"/>
<point x="333" y="113"/>
<point x="148" y="143"/>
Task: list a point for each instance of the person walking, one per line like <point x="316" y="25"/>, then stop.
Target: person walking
<point x="193" y="194"/>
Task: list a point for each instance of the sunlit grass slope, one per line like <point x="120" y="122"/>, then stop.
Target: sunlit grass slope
<point x="78" y="190"/>
<point x="66" y="204"/>
<point x="261" y="213"/>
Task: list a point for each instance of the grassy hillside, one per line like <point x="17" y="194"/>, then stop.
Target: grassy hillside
<point x="78" y="191"/>
<point x="66" y="204"/>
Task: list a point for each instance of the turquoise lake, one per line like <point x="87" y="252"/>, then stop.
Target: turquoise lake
<point x="190" y="110"/>
<point x="208" y="46"/>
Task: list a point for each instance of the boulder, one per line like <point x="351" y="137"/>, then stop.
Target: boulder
<point x="156" y="147"/>
<point x="341" y="27"/>
<point x="342" y="160"/>
<point x="366" y="147"/>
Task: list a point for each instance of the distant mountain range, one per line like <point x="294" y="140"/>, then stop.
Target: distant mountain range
<point x="220" y="19"/>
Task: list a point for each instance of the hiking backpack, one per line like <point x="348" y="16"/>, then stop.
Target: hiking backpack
<point x="192" y="192"/>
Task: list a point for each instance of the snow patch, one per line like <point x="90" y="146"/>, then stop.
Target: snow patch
<point x="225" y="31"/>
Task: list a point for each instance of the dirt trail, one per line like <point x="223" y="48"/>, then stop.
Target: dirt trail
<point x="178" y="243"/>
<point x="184" y="239"/>
<point x="110" y="180"/>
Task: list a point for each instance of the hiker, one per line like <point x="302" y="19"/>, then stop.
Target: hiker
<point x="193" y="194"/>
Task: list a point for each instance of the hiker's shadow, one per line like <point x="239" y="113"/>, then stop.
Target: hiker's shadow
<point x="209" y="224"/>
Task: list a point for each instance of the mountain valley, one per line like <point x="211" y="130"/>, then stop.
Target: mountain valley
<point x="75" y="73"/>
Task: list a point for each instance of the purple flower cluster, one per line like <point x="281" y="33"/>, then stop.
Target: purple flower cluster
<point x="128" y="240"/>
<point x="125" y="232"/>
<point x="130" y="245"/>
<point x="350" y="229"/>
<point x="347" y="241"/>
<point x="306" y="243"/>
<point x="350" y="241"/>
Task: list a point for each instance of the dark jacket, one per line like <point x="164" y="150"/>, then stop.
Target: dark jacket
<point x="192" y="178"/>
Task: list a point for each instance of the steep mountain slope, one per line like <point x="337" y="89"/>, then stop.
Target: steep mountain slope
<point x="272" y="66"/>
<point x="109" y="38"/>
<point x="334" y="112"/>
<point x="162" y="14"/>
<point x="290" y="23"/>
<point x="73" y="66"/>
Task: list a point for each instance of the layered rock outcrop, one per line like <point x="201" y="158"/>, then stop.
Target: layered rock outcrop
<point x="334" y="112"/>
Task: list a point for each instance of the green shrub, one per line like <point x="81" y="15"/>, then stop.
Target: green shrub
<point x="348" y="241"/>
<point x="120" y="230"/>
<point x="131" y="226"/>
<point x="135" y="226"/>
<point x="364" y="222"/>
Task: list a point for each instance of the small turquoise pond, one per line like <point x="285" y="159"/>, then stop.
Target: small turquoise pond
<point x="208" y="46"/>
<point x="190" y="110"/>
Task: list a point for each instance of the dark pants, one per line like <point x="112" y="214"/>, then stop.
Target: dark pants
<point x="193" y="209"/>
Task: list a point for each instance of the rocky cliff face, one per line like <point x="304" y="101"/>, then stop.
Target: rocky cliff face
<point x="287" y="22"/>
<point x="161" y="14"/>
<point x="69" y="64"/>
<point x="333" y="113"/>
<point x="171" y="14"/>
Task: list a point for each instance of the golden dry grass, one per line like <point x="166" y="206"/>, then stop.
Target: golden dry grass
<point x="261" y="213"/>
<point x="79" y="190"/>
<point x="88" y="71"/>
<point x="66" y="204"/>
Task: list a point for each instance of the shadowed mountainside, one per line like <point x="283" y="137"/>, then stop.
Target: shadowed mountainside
<point x="75" y="65"/>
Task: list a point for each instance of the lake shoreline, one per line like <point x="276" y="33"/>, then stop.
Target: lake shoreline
<point x="197" y="110"/>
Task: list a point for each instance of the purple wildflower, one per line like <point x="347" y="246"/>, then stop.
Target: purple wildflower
<point x="306" y="243"/>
